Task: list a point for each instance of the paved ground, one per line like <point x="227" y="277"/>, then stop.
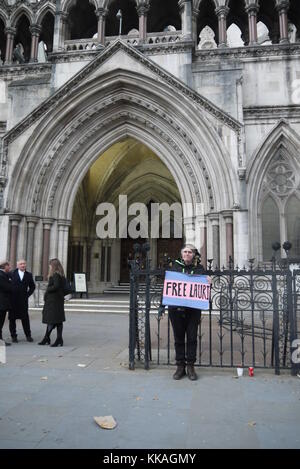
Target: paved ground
<point x="47" y="401"/>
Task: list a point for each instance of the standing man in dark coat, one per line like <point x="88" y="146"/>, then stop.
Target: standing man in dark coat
<point x="5" y="293"/>
<point x="23" y="287"/>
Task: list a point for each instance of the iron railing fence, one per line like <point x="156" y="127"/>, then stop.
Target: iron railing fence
<point x="253" y="319"/>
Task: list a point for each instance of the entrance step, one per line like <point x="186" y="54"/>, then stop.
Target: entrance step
<point x="124" y="288"/>
<point x="106" y="304"/>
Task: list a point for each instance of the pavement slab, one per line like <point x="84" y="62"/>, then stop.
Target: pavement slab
<point x="47" y="401"/>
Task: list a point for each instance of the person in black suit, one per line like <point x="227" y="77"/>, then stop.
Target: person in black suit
<point x="5" y="293"/>
<point x="23" y="287"/>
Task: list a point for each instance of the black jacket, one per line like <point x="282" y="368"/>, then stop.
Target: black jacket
<point x="22" y="290"/>
<point x="53" y="311"/>
<point x="5" y="291"/>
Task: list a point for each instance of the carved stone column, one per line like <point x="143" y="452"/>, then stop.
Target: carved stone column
<point x="47" y="223"/>
<point x="101" y="15"/>
<point x="186" y="18"/>
<point x="142" y="10"/>
<point x="60" y="28"/>
<point x="195" y="14"/>
<point x="214" y="217"/>
<point x="282" y="9"/>
<point x="14" y="231"/>
<point x="31" y="224"/>
<point x="35" y="30"/>
<point x="252" y="9"/>
<point x="228" y="218"/>
<point x="63" y="240"/>
<point x="222" y="13"/>
<point x="10" y="34"/>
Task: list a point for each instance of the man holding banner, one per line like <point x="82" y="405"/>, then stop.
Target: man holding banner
<point x="186" y="292"/>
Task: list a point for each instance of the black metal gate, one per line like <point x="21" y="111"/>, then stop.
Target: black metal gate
<point x="253" y="320"/>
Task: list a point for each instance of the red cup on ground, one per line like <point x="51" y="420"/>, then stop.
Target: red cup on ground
<point x="251" y="371"/>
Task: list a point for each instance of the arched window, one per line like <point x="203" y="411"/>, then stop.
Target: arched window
<point x="47" y="31"/>
<point x="293" y="224"/>
<point x="82" y="20"/>
<point x="268" y="14"/>
<point x="270" y="227"/>
<point x="238" y="17"/>
<point x="207" y="17"/>
<point x="130" y="19"/>
<point x="2" y="41"/>
<point x="234" y="36"/>
<point x="22" y="41"/>
<point x="163" y="14"/>
<point x="280" y="213"/>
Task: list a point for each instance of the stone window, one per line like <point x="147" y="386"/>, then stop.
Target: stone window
<point x="23" y="39"/>
<point x="280" y="212"/>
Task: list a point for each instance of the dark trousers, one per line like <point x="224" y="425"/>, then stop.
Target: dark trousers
<point x="185" y="325"/>
<point x="2" y="321"/>
<point x="25" y="324"/>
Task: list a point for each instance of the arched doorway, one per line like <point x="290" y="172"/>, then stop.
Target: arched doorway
<point x="128" y="170"/>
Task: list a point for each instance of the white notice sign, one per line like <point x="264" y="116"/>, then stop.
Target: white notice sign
<point x="80" y="283"/>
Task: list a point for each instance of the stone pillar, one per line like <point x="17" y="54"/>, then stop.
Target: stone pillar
<point x="35" y="30"/>
<point x="59" y="30"/>
<point x="88" y="259"/>
<point x="63" y="241"/>
<point x="228" y="218"/>
<point x="46" y="246"/>
<point x="186" y="18"/>
<point x="31" y="224"/>
<point x="203" y="249"/>
<point x="14" y="231"/>
<point x="222" y="13"/>
<point x="282" y="9"/>
<point x="142" y="10"/>
<point x="214" y="217"/>
<point x="189" y="230"/>
<point x="252" y="9"/>
<point x="10" y="34"/>
<point x="195" y="14"/>
<point x="101" y="15"/>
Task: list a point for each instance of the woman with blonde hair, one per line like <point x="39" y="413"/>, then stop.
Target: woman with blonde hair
<point x="53" y="311"/>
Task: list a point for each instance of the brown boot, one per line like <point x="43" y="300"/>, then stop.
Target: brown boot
<point x="180" y="372"/>
<point x="191" y="372"/>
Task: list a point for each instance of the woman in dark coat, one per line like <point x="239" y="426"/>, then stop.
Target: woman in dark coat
<point x="53" y="311"/>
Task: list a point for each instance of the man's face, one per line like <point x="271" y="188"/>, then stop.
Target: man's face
<point x="187" y="255"/>
<point x="22" y="266"/>
<point x="7" y="268"/>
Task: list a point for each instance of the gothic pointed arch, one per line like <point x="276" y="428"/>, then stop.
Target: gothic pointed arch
<point x="273" y="171"/>
<point x="101" y="106"/>
<point x="21" y="11"/>
<point x="207" y="17"/>
<point x="268" y="15"/>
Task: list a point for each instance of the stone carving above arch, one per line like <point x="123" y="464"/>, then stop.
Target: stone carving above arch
<point x="23" y="9"/>
<point x="127" y="116"/>
<point x="280" y="178"/>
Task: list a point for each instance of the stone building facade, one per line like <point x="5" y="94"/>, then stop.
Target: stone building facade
<point x="190" y="101"/>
